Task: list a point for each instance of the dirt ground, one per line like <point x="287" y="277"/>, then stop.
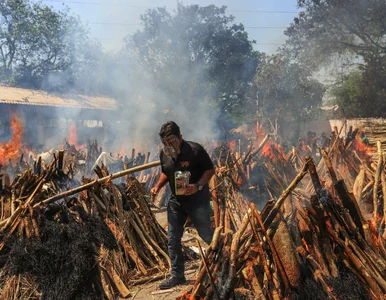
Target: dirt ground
<point x="144" y="291"/>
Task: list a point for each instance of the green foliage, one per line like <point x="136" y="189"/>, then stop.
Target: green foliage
<point x="36" y="41"/>
<point x="348" y="94"/>
<point x="355" y="97"/>
<point x="353" y="30"/>
<point x="286" y="91"/>
<point x="198" y="56"/>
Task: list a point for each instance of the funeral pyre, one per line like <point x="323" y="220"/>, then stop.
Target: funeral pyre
<point x="65" y="239"/>
<point x="313" y="240"/>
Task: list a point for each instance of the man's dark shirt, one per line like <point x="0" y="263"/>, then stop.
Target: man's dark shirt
<point x="193" y="158"/>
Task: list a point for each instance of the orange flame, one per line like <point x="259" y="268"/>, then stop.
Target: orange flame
<point x="273" y="151"/>
<point x="362" y="149"/>
<point x="12" y="149"/>
<point x="73" y="136"/>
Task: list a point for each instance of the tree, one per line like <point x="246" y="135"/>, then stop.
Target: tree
<point x="354" y="30"/>
<point x="355" y="96"/>
<point x="196" y="56"/>
<point x="286" y="91"/>
<point x="35" y="41"/>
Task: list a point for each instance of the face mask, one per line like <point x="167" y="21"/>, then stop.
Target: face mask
<point x="169" y="151"/>
<point x="171" y="146"/>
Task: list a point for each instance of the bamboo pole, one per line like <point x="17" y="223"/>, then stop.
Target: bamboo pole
<point x="100" y="181"/>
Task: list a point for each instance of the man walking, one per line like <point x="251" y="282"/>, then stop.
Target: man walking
<point x="176" y="157"/>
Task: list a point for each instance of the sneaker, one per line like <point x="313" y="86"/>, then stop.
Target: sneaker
<point x="172" y="282"/>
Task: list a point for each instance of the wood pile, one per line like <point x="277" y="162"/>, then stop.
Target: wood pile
<point x="62" y="241"/>
<point x="374" y="128"/>
<point x="322" y="237"/>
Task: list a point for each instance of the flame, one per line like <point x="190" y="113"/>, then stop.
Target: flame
<point x="73" y="136"/>
<point x="305" y="245"/>
<point x="12" y="149"/>
<point x="362" y="149"/>
<point x="273" y="151"/>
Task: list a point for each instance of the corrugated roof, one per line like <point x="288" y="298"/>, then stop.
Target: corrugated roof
<point x="12" y="95"/>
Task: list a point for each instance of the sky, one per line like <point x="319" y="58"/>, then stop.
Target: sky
<point x="111" y="20"/>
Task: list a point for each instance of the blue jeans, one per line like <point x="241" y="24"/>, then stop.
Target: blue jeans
<point x="178" y="211"/>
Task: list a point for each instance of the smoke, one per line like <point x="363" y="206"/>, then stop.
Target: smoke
<point x="145" y="100"/>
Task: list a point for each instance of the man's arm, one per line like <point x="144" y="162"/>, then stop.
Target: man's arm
<point x="205" y="178"/>
<point x="163" y="179"/>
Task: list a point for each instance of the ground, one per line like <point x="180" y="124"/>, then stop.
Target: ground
<point x="144" y="291"/>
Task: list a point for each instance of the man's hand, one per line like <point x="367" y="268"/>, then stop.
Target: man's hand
<point x="191" y="189"/>
<point x="154" y="191"/>
<point x="161" y="182"/>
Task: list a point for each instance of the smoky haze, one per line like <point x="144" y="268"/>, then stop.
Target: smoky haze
<point x="144" y="100"/>
<point x="150" y="88"/>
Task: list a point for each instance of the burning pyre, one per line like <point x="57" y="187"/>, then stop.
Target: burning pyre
<point x="311" y="237"/>
<point x="11" y="150"/>
<point x="313" y="240"/>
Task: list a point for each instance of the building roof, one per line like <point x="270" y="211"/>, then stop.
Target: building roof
<point x="12" y="95"/>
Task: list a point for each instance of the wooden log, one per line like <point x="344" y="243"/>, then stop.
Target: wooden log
<point x="320" y="244"/>
<point x="383" y="180"/>
<point x="272" y="214"/>
<point x="351" y="204"/>
<point x="260" y="249"/>
<point x="359" y="183"/>
<point x="249" y="274"/>
<point x="127" y="247"/>
<point x="314" y="176"/>
<point x="337" y="134"/>
<point x="361" y="269"/>
<point x="213" y="285"/>
<point x="329" y="166"/>
<point x="39" y="165"/>
<point x="287" y="255"/>
<point x="77" y="189"/>
<point x="271" y="246"/>
<point x="61" y="158"/>
<point x="147" y="241"/>
<point x="213" y="247"/>
<point x="22" y="208"/>
<point x="213" y="184"/>
<point x="116" y="279"/>
<point x="249" y="156"/>
<point x="377" y="200"/>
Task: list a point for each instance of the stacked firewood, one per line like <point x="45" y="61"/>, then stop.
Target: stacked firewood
<point x="311" y="242"/>
<point x="62" y="241"/>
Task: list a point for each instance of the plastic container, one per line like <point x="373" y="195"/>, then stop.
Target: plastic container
<point x="181" y="181"/>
